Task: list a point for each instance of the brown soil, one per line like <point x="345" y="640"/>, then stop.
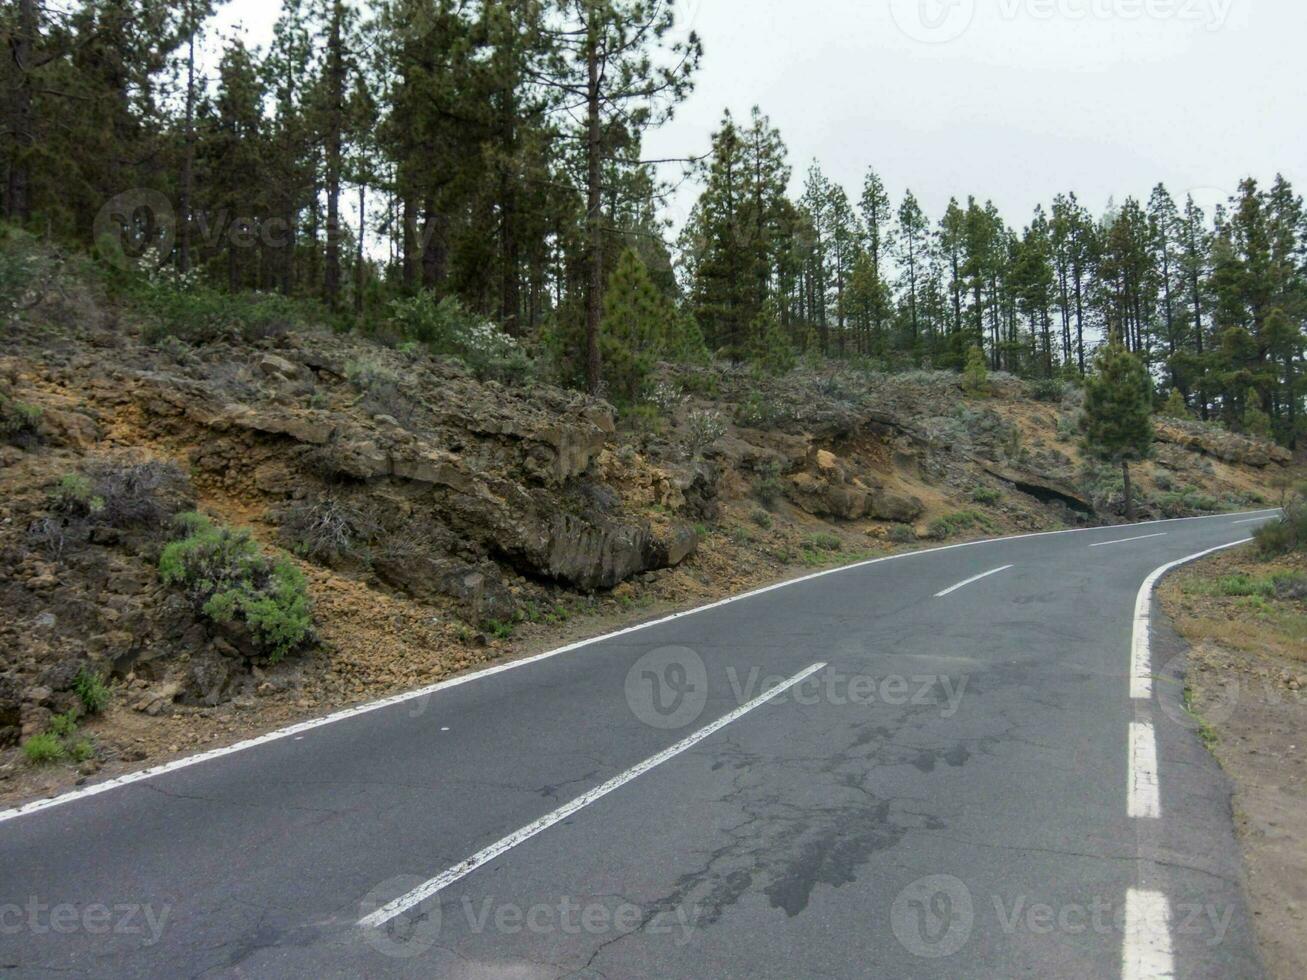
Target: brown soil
<point x="1248" y="686"/>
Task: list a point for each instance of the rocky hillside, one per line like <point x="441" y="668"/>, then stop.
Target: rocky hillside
<point x="441" y="521"/>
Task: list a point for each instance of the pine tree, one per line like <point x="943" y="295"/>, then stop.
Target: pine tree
<point x="1175" y="407"/>
<point x="637" y="324"/>
<point x="607" y="64"/>
<point x="771" y="349"/>
<point x="1255" y="421"/>
<point x="975" y="375"/>
<point x="1118" y="423"/>
<point x="912" y="234"/>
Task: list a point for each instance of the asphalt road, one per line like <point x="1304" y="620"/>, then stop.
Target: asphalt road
<point x="960" y="784"/>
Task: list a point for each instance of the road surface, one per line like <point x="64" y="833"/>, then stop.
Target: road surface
<point x="964" y="762"/>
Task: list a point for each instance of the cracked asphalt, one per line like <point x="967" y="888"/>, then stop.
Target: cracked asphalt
<point x="946" y="798"/>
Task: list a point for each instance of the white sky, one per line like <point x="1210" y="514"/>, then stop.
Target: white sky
<point x="1013" y="100"/>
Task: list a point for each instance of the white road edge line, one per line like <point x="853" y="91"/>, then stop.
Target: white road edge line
<point x="1142" y="537"/>
<point x="1251" y="520"/>
<point x="1141" y="668"/>
<point x="975" y="578"/>
<point x="361" y="709"/>
<point x="1146" y="945"/>
<point x="1143" y="799"/>
<point x="464" y="868"/>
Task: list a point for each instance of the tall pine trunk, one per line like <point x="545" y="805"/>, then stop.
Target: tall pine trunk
<point x="594" y="228"/>
<point x="188" y="156"/>
<point x="18" y="204"/>
<point x="335" y="137"/>
<point x="358" y="250"/>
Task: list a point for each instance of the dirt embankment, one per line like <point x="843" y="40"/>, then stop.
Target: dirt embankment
<point x="1246" y="623"/>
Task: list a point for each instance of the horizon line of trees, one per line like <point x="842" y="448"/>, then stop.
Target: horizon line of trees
<point x="1215" y="308"/>
<point x="491" y="151"/>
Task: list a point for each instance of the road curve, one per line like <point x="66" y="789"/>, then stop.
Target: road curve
<point x="952" y="763"/>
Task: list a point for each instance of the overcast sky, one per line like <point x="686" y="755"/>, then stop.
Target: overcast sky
<point x="1013" y="100"/>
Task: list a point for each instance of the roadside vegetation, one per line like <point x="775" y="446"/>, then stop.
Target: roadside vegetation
<point x="232" y="582"/>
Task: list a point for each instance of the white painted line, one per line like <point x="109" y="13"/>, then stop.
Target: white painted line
<point x="1251" y="520"/>
<point x="1146" y="945"/>
<point x="1141" y="668"/>
<point x="464" y="868"/>
<point x="974" y="578"/>
<point x="1141" y="772"/>
<point x="422" y="692"/>
<point x="1142" y="537"/>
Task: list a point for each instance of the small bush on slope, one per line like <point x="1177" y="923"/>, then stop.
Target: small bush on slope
<point x="20" y="424"/>
<point x="228" y="577"/>
<point x="1287" y="534"/>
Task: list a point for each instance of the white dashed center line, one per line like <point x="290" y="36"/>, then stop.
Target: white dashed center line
<point x="1144" y="800"/>
<point x="464" y="868"/>
<point x="974" y="578"/>
<point x="1147" y="948"/>
<point x="1142" y="537"/>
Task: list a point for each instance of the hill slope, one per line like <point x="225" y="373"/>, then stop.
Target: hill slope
<point x="443" y="521"/>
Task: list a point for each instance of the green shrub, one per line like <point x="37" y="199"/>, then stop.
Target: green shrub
<point x="20" y="424"/>
<point x="187" y="309"/>
<point x="228" y="577"/>
<point x="499" y="630"/>
<point x="1047" y="390"/>
<point x="1246" y="585"/>
<point x="446" y="328"/>
<point x="902" y="534"/>
<point x="824" y="542"/>
<point x="63" y="725"/>
<point x="986" y="495"/>
<point x="762" y="519"/>
<point x="961" y="520"/>
<point x="81" y="749"/>
<point x="769" y="490"/>
<point x="1287" y="533"/>
<point x="43" y="748"/>
<point x="91" y="691"/>
<point x="74" y="497"/>
<point x="1187" y="500"/>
